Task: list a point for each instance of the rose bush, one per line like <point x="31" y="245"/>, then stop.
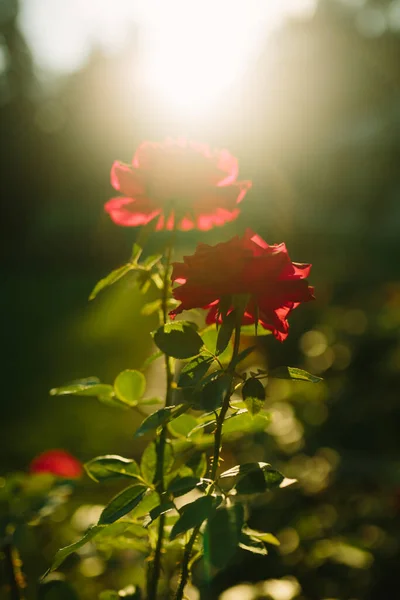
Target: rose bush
<point x="182" y="184"/>
<point x="247" y="265"/>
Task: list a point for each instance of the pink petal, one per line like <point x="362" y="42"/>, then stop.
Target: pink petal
<point x="125" y="180"/>
<point x="130" y="212"/>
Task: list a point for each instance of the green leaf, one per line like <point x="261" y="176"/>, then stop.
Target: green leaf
<point x="243" y="424"/>
<point x="182" y="485"/>
<point x="193" y="514"/>
<point x="294" y="374"/>
<point x="148" y="462"/>
<point x="151" y="307"/>
<point x="67" y="550"/>
<point x="253" y="394"/>
<point x="111" y="466"/>
<point x="213" y="394"/>
<point x="268" y="538"/>
<point x="182" y="425"/>
<point x="252" y="478"/>
<point x="159" y="418"/>
<point x="111" y="278"/>
<point x="252" y="544"/>
<point x="210" y="335"/>
<point x="194" y="371"/>
<point x="122" y="503"/>
<point x="222" y="535"/>
<point x="225" y="331"/>
<point x="149" y="501"/>
<point x="157" y="511"/>
<point x="90" y="386"/>
<point x="129" y="386"/>
<point x="178" y="339"/>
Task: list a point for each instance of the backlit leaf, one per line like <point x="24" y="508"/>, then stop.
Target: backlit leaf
<point x="193" y="514"/>
<point x="222" y="534"/>
<point x="111" y="278"/>
<point x="149" y="461"/>
<point x="194" y="371"/>
<point x="294" y="374"/>
<point x="253" y="394"/>
<point x="111" y="466"/>
<point x="122" y="503"/>
<point x="178" y="339"/>
<point x="225" y="332"/>
<point x="129" y="386"/>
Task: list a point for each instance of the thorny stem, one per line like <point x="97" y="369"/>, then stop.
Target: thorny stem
<point x="213" y="467"/>
<point x="159" y="476"/>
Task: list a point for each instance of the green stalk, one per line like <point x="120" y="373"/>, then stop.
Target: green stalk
<point x="159" y="475"/>
<point x="213" y="466"/>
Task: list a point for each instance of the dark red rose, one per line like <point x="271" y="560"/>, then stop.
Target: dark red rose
<point x="57" y="462"/>
<point x="182" y="184"/>
<point x="246" y="266"/>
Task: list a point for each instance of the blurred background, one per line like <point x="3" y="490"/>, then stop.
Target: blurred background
<point x="307" y="94"/>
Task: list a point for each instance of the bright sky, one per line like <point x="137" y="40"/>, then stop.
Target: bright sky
<point x="190" y="49"/>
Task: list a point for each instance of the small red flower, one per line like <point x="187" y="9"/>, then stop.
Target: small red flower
<point x="182" y="184"/>
<point x="57" y="462"/>
<point x="245" y="266"/>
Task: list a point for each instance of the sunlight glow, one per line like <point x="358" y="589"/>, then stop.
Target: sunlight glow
<point x="195" y="50"/>
<point x="187" y="52"/>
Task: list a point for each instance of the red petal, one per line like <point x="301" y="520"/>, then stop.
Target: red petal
<point x="218" y="218"/>
<point x="126" y="180"/>
<point x="130" y="212"/>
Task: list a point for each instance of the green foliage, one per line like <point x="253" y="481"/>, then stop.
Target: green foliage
<point x="222" y="534"/>
<point x="213" y="391"/>
<point x="253" y="394"/>
<point x="251" y="478"/>
<point x="178" y="339"/>
<point x="193" y="514"/>
<point x="252" y="544"/>
<point x="129" y="386"/>
<point x="182" y="485"/>
<point x="225" y="331"/>
<point x="149" y="461"/>
<point x="143" y="271"/>
<point x="193" y="371"/>
<point x="111" y="466"/>
<point x="158" y="419"/>
<point x="268" y="538"/>
<point x="294" y="374"/>
<point x="243" y="423"/>
<point x="122" y="503"/>
<point x="157" y="511"/>
<point x="63" y="553"/>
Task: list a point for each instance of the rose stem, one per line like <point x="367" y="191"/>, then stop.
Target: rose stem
<point x="213" y="467"/>
<point x="159" y="476"/>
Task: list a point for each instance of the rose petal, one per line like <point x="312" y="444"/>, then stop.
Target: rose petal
<point x="130" y="212"/>
<point x="126" y="180"/>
